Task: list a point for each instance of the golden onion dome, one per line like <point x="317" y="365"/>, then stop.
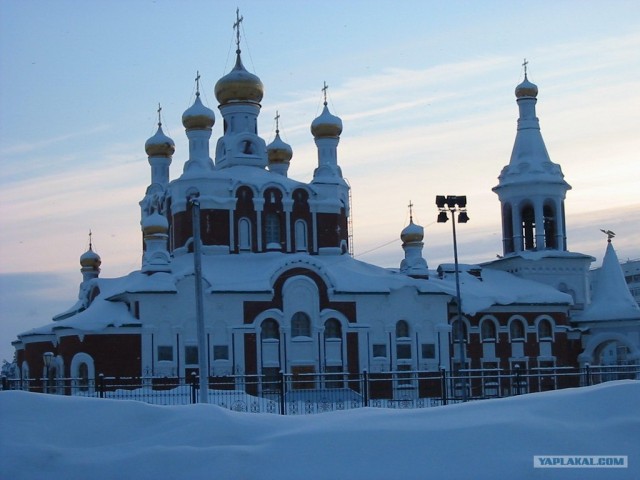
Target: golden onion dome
<point x="526" y="89"/>
<point x="326" y="125"/>
<point x="159" y="145"/>
<point x="154" y="223"/>
<point x="90" y="259"/>
<point x="239" y="85"/>
<point x="197" y="116"/>
<point x="279" y="151"/>
<point x="412" y="233"/>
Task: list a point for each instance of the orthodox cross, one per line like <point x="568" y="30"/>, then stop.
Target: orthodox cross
<point x="90" y="245"/>
<point x="524" y="64"/>
<point x="236" y="27"/>
<point x="159" y="124"/>
<point x="410" y="211"/>
<point x="197" y="83"/>
<point x="277" y="118"/>
<point x="324" y="91"/>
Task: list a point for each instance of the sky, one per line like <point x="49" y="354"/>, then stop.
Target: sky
<point x="425" y="91"/>
<point x="77" y="438"/>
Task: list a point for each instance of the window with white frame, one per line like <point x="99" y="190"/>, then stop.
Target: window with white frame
<point x="300" y="325"/>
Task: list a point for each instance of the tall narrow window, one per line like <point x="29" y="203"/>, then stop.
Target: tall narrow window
<point x="550" y="227"/>
<point x="244" y="234"/>
<point x="529" y="227"/>
<point x="301" y="236"/>
<point x="516" y="330"/>
<point x="545" y="330"/>
<point x="272" y="232"/>
<point x="402" y="329"/>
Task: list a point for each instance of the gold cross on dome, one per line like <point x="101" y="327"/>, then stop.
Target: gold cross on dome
<point x="524" y="64"/>
<point x="198" y="82"/>
<point x="410" y="210"/>
<point x="236" y="27"/>
<point x="277" y="119"/>
<point x="324" y="91"/>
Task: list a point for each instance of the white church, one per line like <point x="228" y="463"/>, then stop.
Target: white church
<point x="267" y="267"/>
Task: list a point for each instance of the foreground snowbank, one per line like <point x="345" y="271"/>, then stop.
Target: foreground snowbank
<point x="53" y="437"/>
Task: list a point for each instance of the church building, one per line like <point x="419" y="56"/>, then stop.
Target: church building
<point x="265" y="260"/>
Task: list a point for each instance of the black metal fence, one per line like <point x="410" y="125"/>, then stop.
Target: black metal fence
<point x="308" y="393"/>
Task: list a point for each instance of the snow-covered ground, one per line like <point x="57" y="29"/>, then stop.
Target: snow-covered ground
<point x="56" y="437"/>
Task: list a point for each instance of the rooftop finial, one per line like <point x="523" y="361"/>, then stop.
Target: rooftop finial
<point x="277" y="119"/>
<point x="197" y="83"/>
<point x="524" y="64"/>
<point x="609" y="234"/>
<point x="324" y="91"/>
<point x="236" y="27"/>
<point x="90" y="244"/>
<point x="159" y="125"/>
<point x="410" y="211"/>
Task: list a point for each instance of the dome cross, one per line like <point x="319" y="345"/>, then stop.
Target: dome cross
<point x="236" y="27"/>
<point x="324" y="92"/>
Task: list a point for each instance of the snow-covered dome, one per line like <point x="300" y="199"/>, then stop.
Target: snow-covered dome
<point x="526" y="89"/>
<point x="159" y="145"/>
<point x="154" y="223"/>
<point x="239" y="85"/>
<point x="412" y="233"/>
<point x="279" y="151"/>
<point x="326" y="125"/>
<point x="90" y="259"/>
<point x="197" y="116"/>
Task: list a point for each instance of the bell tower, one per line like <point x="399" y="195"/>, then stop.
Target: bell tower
<point x="531" y="187"/>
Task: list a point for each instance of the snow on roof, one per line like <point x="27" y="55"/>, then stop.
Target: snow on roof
<point x="257" y="272"/>
<point x="611" y="299"/>
<point x="540" y="255"/>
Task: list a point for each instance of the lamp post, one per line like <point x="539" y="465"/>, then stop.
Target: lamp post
<point x="456" y="204"/>
<point x="47" y="357"/>
<point x="197" y="267"/>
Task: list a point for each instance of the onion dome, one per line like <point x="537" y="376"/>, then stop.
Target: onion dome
<point x="197" y="116"/>
<point x="90" y="259"/>
<point x="159" y="145"/>
<point x="412" y="233"/>
<point x="526" y="89"/>
<point x="239" y="85"/>
<point x="326" y="125"/>
<point x="154" y="223"/>
<point x="279" y="151"/>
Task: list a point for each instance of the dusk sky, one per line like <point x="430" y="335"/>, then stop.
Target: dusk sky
<point x="425" y="91"/>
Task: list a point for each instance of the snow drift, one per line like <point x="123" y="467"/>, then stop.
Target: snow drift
<point x="56" y="437"/>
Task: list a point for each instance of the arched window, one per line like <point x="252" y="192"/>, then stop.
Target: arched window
<point x="270" y="329"/>
<point x="300" y="325"/>
<point x="244" y="234"/>
<point x="301" y="236"/>
<point x="545" y="331"/>
<point x="516" y="330"/>
<point x="488" y="331"/>
<point x="402" y="329"/>
<point x="550" y="227"/>
<point x="529" y="227"/>
<point x="332" y="328"/>
<point x="272" y="231"/>
<point x="507" y="229"/>
<point x="455" y="332"/>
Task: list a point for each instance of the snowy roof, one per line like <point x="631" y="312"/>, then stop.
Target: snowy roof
<point x="258" y="272"/>
<point x="612" y="299"/>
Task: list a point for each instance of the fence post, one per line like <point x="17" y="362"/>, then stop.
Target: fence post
<point x="443" y="380"/>
<point x="588" y="374"/>
<point x="283" y="407"/>
<point x="101" y="385"/>
<point x="194" y="386"/>
<point x="365" y="387"/>
<point x="517" y="367"/>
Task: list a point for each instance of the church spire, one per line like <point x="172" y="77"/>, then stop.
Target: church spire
<point x="531" y="188"/>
